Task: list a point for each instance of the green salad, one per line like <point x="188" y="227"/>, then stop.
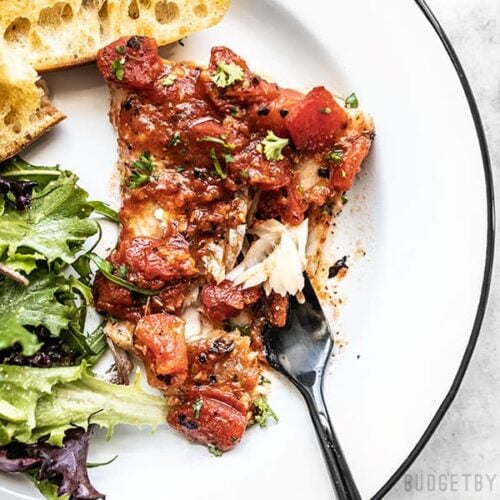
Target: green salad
<point x="50" y="400"/>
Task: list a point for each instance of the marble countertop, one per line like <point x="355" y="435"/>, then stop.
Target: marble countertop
<point x="462" y="459"/>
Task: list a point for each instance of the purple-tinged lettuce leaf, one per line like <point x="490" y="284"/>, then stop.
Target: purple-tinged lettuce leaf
<point x="20" y="190"/>
<point x="64" y="467"/>
<point x="67" y="466"/>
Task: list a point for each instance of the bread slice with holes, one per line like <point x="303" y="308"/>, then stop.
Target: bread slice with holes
<point x="25" y="110"/>
<point x="47" y="35"/>
<point x="59" y="34"/>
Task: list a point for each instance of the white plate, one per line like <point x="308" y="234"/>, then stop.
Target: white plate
<point x="422" y="210"/>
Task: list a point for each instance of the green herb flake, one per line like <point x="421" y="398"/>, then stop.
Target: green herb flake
<point x="180" y="169"/>
<point x="174" y="140"/>
<point x="228" y="158"/>
<point x="273" y="146"/>
<point x="325" y="111"/>
<point x="120" y="49"/>
<point x="352" y="101"/>
<point x="233" y="111"/>
<point x="217" y="140"/>
<point x="344" y="199"/>
<point x="214" y="450"/>
<point x="197" y="405"/>
<point x="262" y="412"/>
<point x="227" y="74"/>
<point x="244" y="330"/>
<point x="336" y="156"/>
<point x="118" y="68"/>
<point x="123" y="271"/>
<point x="245" y="174"/>
<point x="169" y="80"/>
<point x="141" y="170"/>
<point x="217" y="166"/>
<point x="264" y="380"/>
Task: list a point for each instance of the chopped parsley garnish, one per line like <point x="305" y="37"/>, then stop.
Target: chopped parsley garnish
<point x="214" y="450"/>
<point x="352" y="101"/>
<point x="123" y="271"/>
<point x="336" y="156"/>
<point x="180" y="168"/>
<point x="262" y="411"/>
<point x="228" y="158"/>
<point x="227" y="74"/>
<point x="217" y="166"/>
<point x="325" y="111"/>
<point x="233" y="110"/>
<point x="245" y="173"/>
<point x="344" y="199"/>
<point x="197" y="408"/>
<point x="264" y="380"/>
<point x="174" y="140"/>
<point x="118" y="68"/>
<point x="169" y="80"/>
<point x="217" y="140"/>
<point x="243" y="329"/>
<point x="141" y="170"/>
<point x="273" y="146"/>
<point x="120" y="49"/>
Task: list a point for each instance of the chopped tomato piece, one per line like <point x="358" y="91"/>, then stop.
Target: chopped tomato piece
<point x="159" y="340"/>
<point x="271" y="115"/>
<point x="276" y="309"/>
<point x="130" y="61"/>
<point x="115" y="300"/>
<point x="251" y="166"/>
<point x="287" y="204"/>
<point x="251" y="88"/>
<point x="227" y="300"/>
<point x="152" y="262"/>
<point x="343" y="175"/>
<point x="210" y="417"/>
<point x="315" y="122"/>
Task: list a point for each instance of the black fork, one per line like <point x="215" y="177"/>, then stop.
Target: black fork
<point x="301" y="351"/>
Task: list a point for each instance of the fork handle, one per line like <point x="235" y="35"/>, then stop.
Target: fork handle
<point x="340" y="474"/>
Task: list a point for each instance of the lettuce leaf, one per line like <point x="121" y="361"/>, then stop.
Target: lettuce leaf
<point x="58" y="472"/>
<point x="42" y="302"/>
<point x="36" y="402"/>
<point x="21" y="388"/>
<point x="53" y="228"/>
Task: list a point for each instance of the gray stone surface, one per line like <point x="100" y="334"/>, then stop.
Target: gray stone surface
<point x="462" y="459"/>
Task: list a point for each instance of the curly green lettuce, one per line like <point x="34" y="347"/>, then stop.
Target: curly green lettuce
<point x="36" y="402"/>
<point x="53" y="228"/>
<point x="43" y="302"/>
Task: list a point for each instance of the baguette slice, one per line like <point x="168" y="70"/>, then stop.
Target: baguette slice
<point x="53" y="35"/>
<point x="25" y="110"/>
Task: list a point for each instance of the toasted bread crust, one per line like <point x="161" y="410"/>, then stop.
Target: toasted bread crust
<point x="52" y="36"/>
<point x="69" y="33"/>
<point x="50" y="116"/>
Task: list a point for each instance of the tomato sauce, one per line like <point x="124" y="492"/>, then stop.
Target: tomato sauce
<point x="195" y="144"/>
